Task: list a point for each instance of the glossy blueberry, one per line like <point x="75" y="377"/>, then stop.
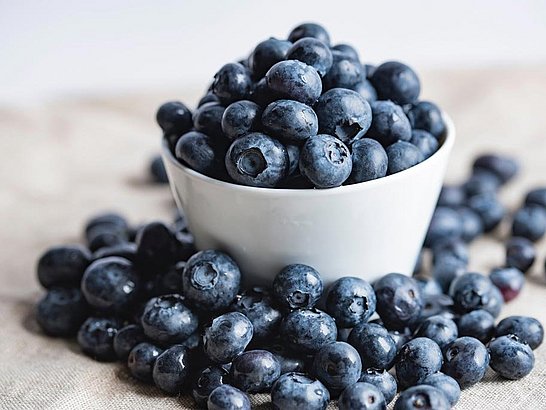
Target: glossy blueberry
<point x="309" y="30"/>
<point x="472" y="224"/>
<point x="452" y="196"/>
<point x="510" y="357"/>
<point x="376" y="347"/>
<point x="313" y="52"/>
<point x="232" y="83"/>
<point x="399" y="300"/>
<point x="174" y="118"/>
<point x="262" y="95"/>
<point x="307" y="330"/>
<point x="126" y="338"/>
<point x="348" y="50"/>
<point x="200" y="153"/>
<point x="295" y="81"/>
<point x="167" y="320"/>
<point x="520" y="253"/>
<point x="426" y="115"/>
<point x="445" y="225"/>
<point x="536" y="196"/>
<point x="481" y="183"/>
<point x="530" y="222"/>
<point x="258" y="306"/>
<point x="389" y="123"/>
<point x="171" y="369"/>
<point x="297" y="286"/>
<point x="209" y="97"/>
<point x="366" y="90"/>
<point x="402" y="155"/>
<point x="490" y="210"/>
<point x="325" y="161"/>
<point x="297" y="391"/>
<point x="471" y="291"/>
<point x="226" y="397"/>
<point x="61" y="311"/>
<point x="96" y="336"/>
<point x="257" y="160"/>
<point x="448" y="385"/>
<point x="63" y="266"/>
<point x="422" y="396"/>
<point x="290" y="121"/>
<point x="369" y="160"/>
<point x="289" y="360"/>
<point x="227" y="337"/>
<point x="425" y="141"/>
<point x="350" y="301"/>
<point x="509" y="281"/>
<point x="110" y="284"/>
<point x="293" y="159"/>
<point x="206" y="381"/>
<point x="396" y="82"/>
<point x="417" y="359"/>
<point x="478" y="323"/>
<point x="255" y="371"/>
<point x="447" y="270"/>
<point x="344" y="114"/>
<point x="241" y="118"/>
<point x="439" y="329"/>
<point x="503" y="167"/>
<point x="401" y="337"/>
<point x="141" y="361"/>
<point x="344" y="73"/>
<point x="211" y="280"/>
<point x="428" y="286"/>
<point x="208" y="119"/>
<point x="529" y="330"/>
<point x="361" y="396"/>
<point x="337" y="365"/>
<point x="383" y="380"/>
<point x="466" y="360"/>
<point x="266" y="54"/>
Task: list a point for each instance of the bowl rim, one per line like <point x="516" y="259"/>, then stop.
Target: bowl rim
<point x="446" y="145"/>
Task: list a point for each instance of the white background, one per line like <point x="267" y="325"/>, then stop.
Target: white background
<point x="50" y="48"/>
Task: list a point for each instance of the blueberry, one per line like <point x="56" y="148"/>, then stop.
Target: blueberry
<point x="211" y="280"/>
<point x="171" y="369"/>
<point x="325" y="161"/>
<point x="366" y="90"/>
<point x="471" y="222"/>
<point x="445" y="225"/>
<point x="309" y="30"/>
<point x="399" y="300"/>
<point x="452" y="196"/>
<point x="174" y="118"/>
<point x="262" y="95"/>
<point x="439" y="329"/>
<point x="111" y="220"/>
<point x="165" y="283"/>
<point x="337" y="365"/>
<point x="435" y="305"/>
<point x="509" y="281"/>
<point x="307" y="331"/>
<point x="350" y="301"/>
<point x="232" y="83"/>
<point x="258" y="306"/>
<point x="495" y="302"/>
<point x="426" y="115"/>
<point x="61" y="311"/>
<point x="347" y="50"/>
<point x="290" y="121"/>
<point x="530" y="222"/>
<point x="157" y="170"/>
<point x="200" y="153"/>
<point x="255" y="371"/>
<point x="297" y="286"/>
<point x="478" y="323"/>
<point x="510" y="357"/>
<point x="266" y="54"/>
<point x="425" y="141"/>
<point x="466" y="360"/>
<point x="527" y="329"/>
<point x="370" y="70"/>
<point x="397" y="82"/>
<point x="417" y="359"/>
<point x="383" y="380"/>
<point x="157" y="247"/>
<point x="490" y="210"/>
<point x="141" y="361"/>
<point x="376" y="347"/>
<point x="257" y="160"/>
<point x="422" y="397"/>
<point x="344" y="73"/>
<point x="402" y="155"/>
<point x="297" y="391"/>
<point x="227" y="337"/>
<point x="103" y="236"/>
<point x="241" y="118"/>
<point x="447" y="270"/>
<point x="110" y="284"/>
<point x="369" y="160"/>
<point x="313" y="52"/>
<point x="96" y="336"/>
<point x="401" y="337"/>
<point x="389" y="123"/>
<point x="481" y="183"/>
<point x="344" y="114"/>
<point x="126" y="338"/>
<point x="295" y="80"/>
<point x="361" y="396"/>
<point x="448" y="385"/>
<point x="471" y="291"/>
<point x="503" y="167"/>
<point x="209" y="97"/>
<point x="63" y="266"/>
<point x="226" y="397"/>
<point x="293" y="159"/>
<point x="208" y="119"/>
<point x="167" y="320"/>
<point x="536" y="196"/>
<point x="455" y="249"/>
<point x="428" y="286"/>
<point x="206" y="381"/>
<point x="520" y="253"/>
<point x="289" y="360"/>
<point x="126" y="250"/>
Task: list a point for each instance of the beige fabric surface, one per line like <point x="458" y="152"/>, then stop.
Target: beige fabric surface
<point x="67" y="159"/>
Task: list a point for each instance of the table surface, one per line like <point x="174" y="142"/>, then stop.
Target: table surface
<point x="70" y="158"/>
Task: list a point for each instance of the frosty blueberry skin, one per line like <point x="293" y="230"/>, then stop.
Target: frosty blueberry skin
<point x="369" y="160"/>
<point x="337" y="365"/>
<point x="255" y="371"/>
<point x="297" y="286"/>
<point x="174" y="118"/>
<point x="290" y="121"/>
<point x="448" y="385"/>
<point x="171" y="369"/>
<point x="389" y="123"/>
<point x="509" y="281"/>
<point x="313" y="52"/>
<point x="308" y="330"/>
<point x="383" y="380"/>
<point x="510" y="357"/>
<point x="227" y="337"/>
<point x="478" y="323"/>
<point x="295" y="80"/>
<point x="361" y="396"/>
<point x="402" y="155"/>
<point x="396" y="82"/>
<point x="425" y="115"/>
<point x="414" y="397"/>
<point x="350" y="301"/>
<point x="297" y="391"/>
<point x="232" y="83"/>
<point x="439" y="329"/>
<point x="520" y="253"/>
<point x="61" y="311"/>
<point x="227" y="397"/>
<point x="466" y="360"/>
<point x="141" y="361"/>
<point x="207" y="119"/>
<point x="417" y="359"/>
<point x="529" y="330"/>
<point x="266" y="54"/>
<point x="241" y="118"/>
<point x="309" y="30"/>
<point x="376" y="347"/>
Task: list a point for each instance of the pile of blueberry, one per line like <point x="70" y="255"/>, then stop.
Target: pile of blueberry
<point x="301" y="113"/>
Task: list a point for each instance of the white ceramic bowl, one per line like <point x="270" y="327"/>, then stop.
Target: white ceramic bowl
<point x="364" y="230"/>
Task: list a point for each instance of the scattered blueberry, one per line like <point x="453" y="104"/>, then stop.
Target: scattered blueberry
<point x="297" y="286"/>
<point x="397" y="82"/>
<point x="141" y="361"/>
<point x="418" y="358"/>
<point x="174" y="118"/>
<point x="471" y="222"/>
<point x="529" y="330"/>
<point x="448" y="385"/>
<point x="425" y="115"/>
<point x="96" y="336"/>
<point x="241" y="118"/>
<point x="337" y="365"/>
<point x="383" y="380"/>
<point x="227" y="337"/>
<point x="295" y="81"/>
<point x="510" y="357"/>
<point x="490" y="210"/>
<point x="389" y="124"/>
<point x="61" y="311"/>
<point x="255" y="371"/>
<point x="361" y="396"/>
<point x="478" y="323"/>
<point x="466" y="360"/>
<point x="428" y="286"/>
<point x="452" y="196"/>
<point x="520" y="253"/>
<point x="439" y="329"/>
<point x="422" y="397"/>
<point x="348" y="50"/>
<point x="206" y="381"/>
<point x="307" y="330"/>
<point x="536" y="196"/>
<point x="530" y="222"/>
<point x="503" y="167"/>
<point x="445" y="225"/>
<point x="509" y="281"/>
<point x="297" y="391"/>
<point x="290" y="121"/>
<point x="481" y="183"/>
<point x="126" y="339"/>
<point x="289" y="360"/>
<point x="171" y="369"/>
<point x="376" y="347"/>
<point x="447" y="270"/>
<point x="232" y="83"/>
<point x="455" y="249"/>
<point x="126" y="250"/>
<point x="402" y="155"/>
<point x="226" y="397"/>
<point x="471" y="291"/>
<point x="350" y="301"/>
<point x="366" y="90"/>
<point x="63" y="266"/>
